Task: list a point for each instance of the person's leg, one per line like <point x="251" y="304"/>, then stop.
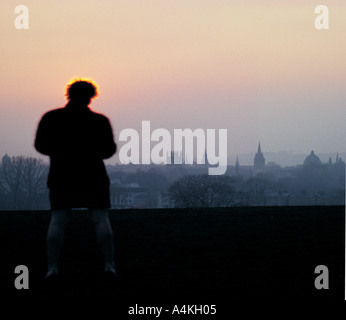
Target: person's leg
<point x="104" y="237"/>
<point x="55" y="238"/>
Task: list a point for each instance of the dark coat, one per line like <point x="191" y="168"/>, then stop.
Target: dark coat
<point x="77" y="141"/>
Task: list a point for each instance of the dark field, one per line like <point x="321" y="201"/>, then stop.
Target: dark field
<point x="185" y="255"/>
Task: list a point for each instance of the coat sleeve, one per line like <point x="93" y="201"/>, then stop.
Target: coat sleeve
<point x="42" y="140"/>
<point x="107" y="145"/>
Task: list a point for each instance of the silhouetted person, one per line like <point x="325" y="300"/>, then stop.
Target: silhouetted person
<point x="77" y="140"/>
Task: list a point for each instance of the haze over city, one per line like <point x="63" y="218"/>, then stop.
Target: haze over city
<point x="261" y="71"/>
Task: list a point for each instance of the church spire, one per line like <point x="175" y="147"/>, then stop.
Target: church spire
<point x="259" y="161"/>
<point x="259" y="148"/>
<point x="237" y="166"/>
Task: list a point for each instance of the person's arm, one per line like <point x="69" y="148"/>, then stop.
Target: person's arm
<point x="107" y="144"/>
<point x="42" y="143"/>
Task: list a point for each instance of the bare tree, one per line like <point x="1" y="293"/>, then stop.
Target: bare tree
<point x="11" y="181"/>
<point x="255" y="188"/>
<point x="184" y="192"/>
<point x="202" y="191"/>
<point x="23" y="180"/>
<point x="34" y="179"/>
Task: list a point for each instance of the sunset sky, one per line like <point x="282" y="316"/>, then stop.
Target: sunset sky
<point x="257" y="68"/>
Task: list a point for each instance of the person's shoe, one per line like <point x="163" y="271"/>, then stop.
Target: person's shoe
<point x="52" y="272"/>
<point x="111" y="275"/>
<point x="110" y="268"/>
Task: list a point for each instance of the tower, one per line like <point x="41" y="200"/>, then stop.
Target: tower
<point x="174" y="157"/>
<point x="259" y="161"/>
<point x="205" y="158"/>
<point x="237" y="166"/>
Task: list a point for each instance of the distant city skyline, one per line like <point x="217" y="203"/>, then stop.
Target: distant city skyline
<point x="282" y="158"/>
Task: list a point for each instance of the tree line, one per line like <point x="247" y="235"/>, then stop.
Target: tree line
<point x="23" y="183"/>
<point x="23" y="186"/>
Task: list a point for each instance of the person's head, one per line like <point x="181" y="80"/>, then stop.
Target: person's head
<point x="81" y="91"/>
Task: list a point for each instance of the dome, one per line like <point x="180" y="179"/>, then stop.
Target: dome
<point x="312" y="159"/>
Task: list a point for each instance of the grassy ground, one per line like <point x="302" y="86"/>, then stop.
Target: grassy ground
<point x="185" y="255"/>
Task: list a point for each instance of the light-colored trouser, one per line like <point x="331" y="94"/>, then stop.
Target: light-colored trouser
<point x="55" y="236"/>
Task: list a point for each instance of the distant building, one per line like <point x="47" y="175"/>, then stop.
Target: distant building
<point x="5" y="159"/>
<point x="205" y="160"/>
<point x="174" y="157"/>
<point x="259" y="161"/>
<point x="312" y="159"/>
<point x="339" y="160"/>
<point x="237" y="166"/>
